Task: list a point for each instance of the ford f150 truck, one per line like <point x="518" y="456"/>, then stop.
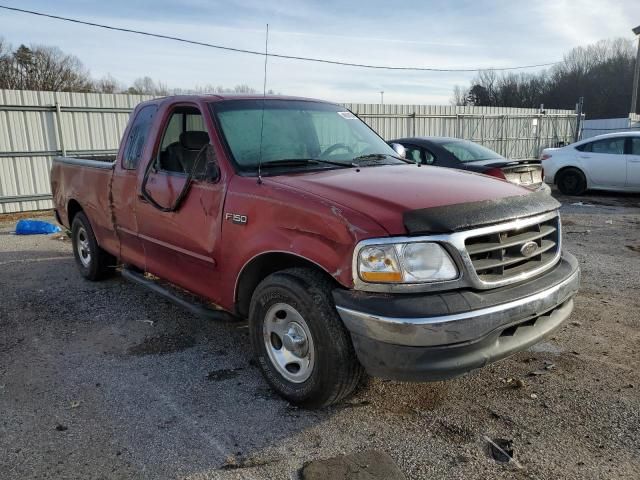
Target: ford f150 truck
<point x="344" y="257"/>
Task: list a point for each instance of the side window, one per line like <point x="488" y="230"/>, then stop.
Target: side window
<point x="429" y="158"/>
<point x="183" y="140"/>
<point x="635" y="145"/>
<point x="585" y="147"/>
<point x="413" y="153"/>
<point x="137" y="137"/>
<point x="609" y="146"/>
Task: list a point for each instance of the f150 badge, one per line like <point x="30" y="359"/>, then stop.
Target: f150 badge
<point x="236" y="218"/>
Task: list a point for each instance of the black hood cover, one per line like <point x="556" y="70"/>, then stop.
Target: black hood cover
<point x="462" y="216"/>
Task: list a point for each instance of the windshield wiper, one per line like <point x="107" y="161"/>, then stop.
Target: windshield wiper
<point x="295" y="162"/>
<point x="377" y="156"/>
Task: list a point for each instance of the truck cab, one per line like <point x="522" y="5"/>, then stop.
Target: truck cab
<point x="345" y="259"/>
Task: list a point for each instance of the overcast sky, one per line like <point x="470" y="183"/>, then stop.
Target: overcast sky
<point x="438" y="33"/>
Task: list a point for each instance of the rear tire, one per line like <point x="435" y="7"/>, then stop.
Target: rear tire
<point x="301" y="345"/>
<point x="93" y="262"/>
<point x="572" y="182"/>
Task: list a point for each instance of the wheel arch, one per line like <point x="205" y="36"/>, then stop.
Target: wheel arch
<point x="571" y="167"/>
<point x="73" y="208"/>
<point x="260" y="267"/>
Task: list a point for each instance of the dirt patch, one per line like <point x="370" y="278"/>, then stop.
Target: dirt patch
<point x="404" y="398"/>
<point x="371" y="465"/>
<point x="14" y="217"/>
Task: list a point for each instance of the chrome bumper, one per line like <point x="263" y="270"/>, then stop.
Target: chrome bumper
<point x="459" y="327"/>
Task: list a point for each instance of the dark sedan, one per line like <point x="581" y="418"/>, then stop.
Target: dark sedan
<point x="465" y="155"/>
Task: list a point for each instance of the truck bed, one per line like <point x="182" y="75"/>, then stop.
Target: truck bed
<point x="84" y="182"/>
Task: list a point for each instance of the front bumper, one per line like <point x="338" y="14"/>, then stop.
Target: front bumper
<point x="443" y="335"/>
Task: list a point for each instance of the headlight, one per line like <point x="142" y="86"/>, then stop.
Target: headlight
<point x="405" y="263"/>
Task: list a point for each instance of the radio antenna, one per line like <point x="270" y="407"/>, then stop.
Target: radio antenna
<point x="264" y="94"/>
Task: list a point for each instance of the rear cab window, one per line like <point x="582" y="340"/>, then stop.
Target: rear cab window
<point x="137" y="137"/>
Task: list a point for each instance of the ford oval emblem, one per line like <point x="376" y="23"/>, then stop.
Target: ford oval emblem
<point x="529" y="249"/>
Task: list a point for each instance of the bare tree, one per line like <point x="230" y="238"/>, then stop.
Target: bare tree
<point x="108" y="84"/>
<point x="459" y="97"/>
<point x="41" y="68"/>
<point x="602" y="73"/>
<point x="147" y="86"/>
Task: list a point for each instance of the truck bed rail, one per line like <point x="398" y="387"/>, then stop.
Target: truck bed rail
<point x="105" y="162"/>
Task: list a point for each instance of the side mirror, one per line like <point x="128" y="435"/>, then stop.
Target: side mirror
<point x="399" y="149"/>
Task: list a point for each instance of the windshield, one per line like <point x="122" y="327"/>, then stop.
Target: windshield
<point x="469" y="151"/>
<point x="296" y="130"/>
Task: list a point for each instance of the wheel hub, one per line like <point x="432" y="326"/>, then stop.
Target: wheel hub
<point x="83" y="247"/>
<point x="295" y="340"/>
<point x="288" y="342"/>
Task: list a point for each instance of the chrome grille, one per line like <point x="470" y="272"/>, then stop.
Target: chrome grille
<point x="501" y="255"/>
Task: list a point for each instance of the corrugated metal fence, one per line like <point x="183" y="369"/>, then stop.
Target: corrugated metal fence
<point x="512" y="132"/>
<point x="36" y="126"/>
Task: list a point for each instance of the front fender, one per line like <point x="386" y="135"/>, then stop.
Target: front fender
<point x="280" y="219"/>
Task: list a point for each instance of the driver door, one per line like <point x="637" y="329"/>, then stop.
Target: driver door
<point x="180" y="245"/>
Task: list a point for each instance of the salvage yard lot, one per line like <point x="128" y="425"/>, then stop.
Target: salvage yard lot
<point x="107" y="380"/>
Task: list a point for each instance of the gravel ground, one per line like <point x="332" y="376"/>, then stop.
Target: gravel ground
<point x="106" y="380"/>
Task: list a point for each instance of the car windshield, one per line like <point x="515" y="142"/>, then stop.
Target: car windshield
<point x="469" y="151"/>
<point x="318" y="135"/>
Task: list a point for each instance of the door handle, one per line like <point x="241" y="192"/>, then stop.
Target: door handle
<point x="634" y="160"/>
<point x="585" y="156"/>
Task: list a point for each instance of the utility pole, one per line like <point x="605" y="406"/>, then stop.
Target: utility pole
<point x="636" y="76"/>
<point x="381" y="98"/>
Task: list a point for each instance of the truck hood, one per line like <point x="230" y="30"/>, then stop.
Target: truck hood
<point x="401" y="198"/>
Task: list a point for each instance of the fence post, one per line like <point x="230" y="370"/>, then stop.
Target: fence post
<point x="503" y="148"/>
<point x="538" y="135"/>
<point x="413" y="124"/>
<point x="579" y="108"/>
<point x="58" y="117"/>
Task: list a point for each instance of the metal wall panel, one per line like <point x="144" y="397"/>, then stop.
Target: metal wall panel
<point x="601" y="126"/>
<point x="33" y="131"/>
<point x="512" y="132"/>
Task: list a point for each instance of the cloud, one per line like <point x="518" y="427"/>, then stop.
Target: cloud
<point x="461" y="34"/>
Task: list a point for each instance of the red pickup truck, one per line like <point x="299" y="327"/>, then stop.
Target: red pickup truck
<point x="344" y="257"/>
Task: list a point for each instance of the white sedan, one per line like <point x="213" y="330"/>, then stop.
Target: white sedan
<point x="604" y="162"/>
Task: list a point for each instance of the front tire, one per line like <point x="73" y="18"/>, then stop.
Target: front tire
<point x="93" y="262"/>
<point x="572" y="182"/>
<point x="301" y="345"/>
